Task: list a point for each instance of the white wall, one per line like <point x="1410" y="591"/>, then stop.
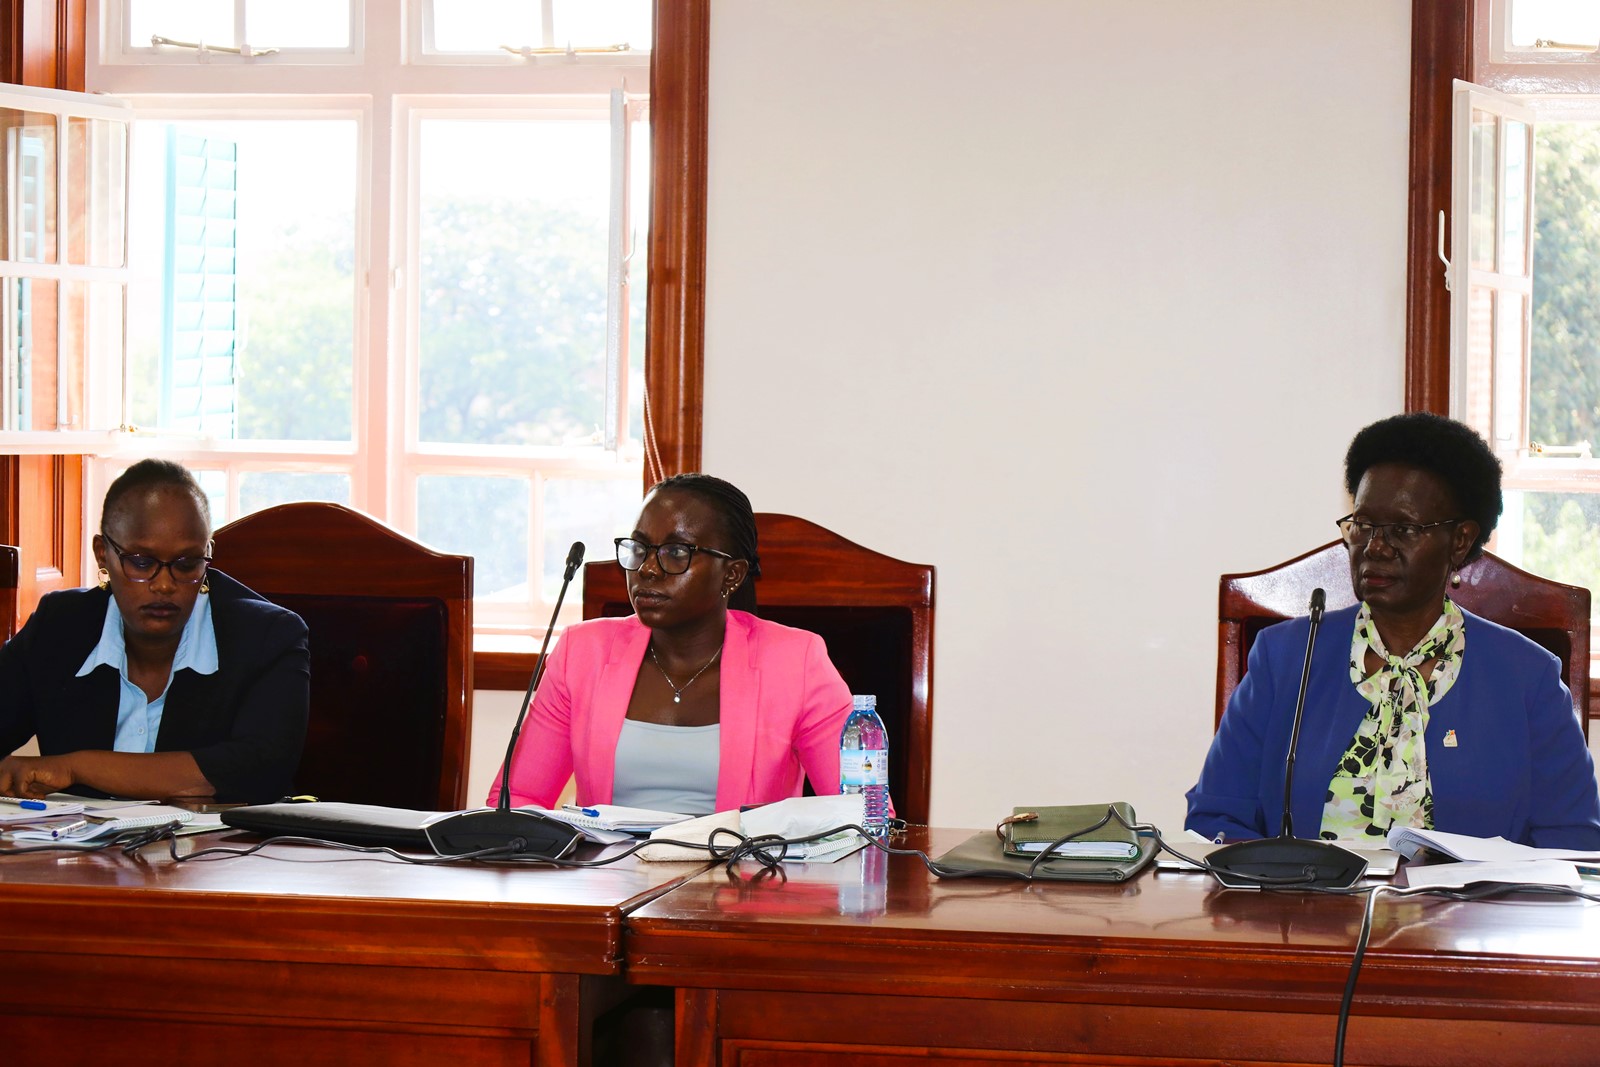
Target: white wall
<point x="1078" y="301"/>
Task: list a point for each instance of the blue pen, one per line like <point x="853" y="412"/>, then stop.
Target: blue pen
<point x="31" y="805"/>
<point x="593" y="813"/>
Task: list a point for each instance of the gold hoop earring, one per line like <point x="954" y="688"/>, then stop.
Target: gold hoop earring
<point x="104" y="578"/>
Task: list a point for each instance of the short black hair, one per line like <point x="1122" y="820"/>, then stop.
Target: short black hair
<point x="738" y="520"/>
<point x="1451" y="451"/>
<point x="151" y="474"/>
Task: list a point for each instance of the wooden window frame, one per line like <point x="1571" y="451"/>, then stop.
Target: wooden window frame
<point x="1441" y="52"/>
<point x="43" y="43"/>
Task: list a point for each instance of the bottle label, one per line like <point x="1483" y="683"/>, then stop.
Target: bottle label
<point x="864" y="767"/>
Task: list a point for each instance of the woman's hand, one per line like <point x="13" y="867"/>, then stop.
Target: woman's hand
<point x="35" y="776"/>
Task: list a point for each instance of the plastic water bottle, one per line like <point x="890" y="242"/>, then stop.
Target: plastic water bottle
<point x="864" y="762"/>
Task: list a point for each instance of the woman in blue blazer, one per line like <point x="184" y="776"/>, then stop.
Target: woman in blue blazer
<point x="170" y="679"/>
<point x="1417" y="713"/>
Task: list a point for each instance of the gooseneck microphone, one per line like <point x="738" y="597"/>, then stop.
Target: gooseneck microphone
<point x="1319" y="601"/>
<point x="526" y="833"/>
<point x="1286" y="861"/>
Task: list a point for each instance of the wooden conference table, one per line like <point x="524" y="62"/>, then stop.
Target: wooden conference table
<point x="876" y="963"/>
<point x="310" y="957"/>
<point x="307" y="956"/>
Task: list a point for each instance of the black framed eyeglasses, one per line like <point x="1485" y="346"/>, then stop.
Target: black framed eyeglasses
<point x="1401" y="535"/>
<point x="138" y="567"/>
<point x="673" y="557"/>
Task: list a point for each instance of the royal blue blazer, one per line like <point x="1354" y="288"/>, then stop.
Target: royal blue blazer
<point x="1519" y="768"/>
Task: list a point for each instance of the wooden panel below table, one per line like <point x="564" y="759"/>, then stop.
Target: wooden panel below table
<point x="1165" y="969"/>
<point x="309" y="956"/>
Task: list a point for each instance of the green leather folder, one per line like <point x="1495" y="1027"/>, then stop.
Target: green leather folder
<point x="983" y="854"/>
<point x="1113" y="841"/>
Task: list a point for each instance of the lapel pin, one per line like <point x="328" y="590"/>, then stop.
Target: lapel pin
<point x="1450" y="739"/>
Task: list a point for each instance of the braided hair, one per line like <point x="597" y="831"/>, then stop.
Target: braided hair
<point x="150" y="474"/>
<point x="738" y="521"/>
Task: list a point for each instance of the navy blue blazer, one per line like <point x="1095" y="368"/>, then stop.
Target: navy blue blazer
<point x="244" y="725"/>
<point x="1520" y="767"/>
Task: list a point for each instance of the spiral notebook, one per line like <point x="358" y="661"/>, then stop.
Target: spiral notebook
<point x="96" y="826"/>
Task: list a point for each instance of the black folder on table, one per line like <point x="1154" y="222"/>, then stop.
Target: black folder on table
<point x="985" y="853"/>
<point x="374" y="825"/>
<point x="350" y="824"/>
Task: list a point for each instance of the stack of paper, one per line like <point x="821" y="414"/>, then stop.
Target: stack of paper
<point x="616" y="817"/>
<point x="1486" y="859"/>
<point x="25" y="809"/>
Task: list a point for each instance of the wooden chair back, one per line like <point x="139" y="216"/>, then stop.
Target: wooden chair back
<point x="10" y="575"/>
<point x="1550" y="613"/>
<point x="391" y="650"/>
<point x="874" y="612"/>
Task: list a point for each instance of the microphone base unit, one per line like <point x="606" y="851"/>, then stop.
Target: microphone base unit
<point x="528" y="834"/>
<point x="1286" y="863"/>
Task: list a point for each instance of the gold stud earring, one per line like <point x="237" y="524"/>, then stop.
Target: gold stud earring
<point x="205" y="584"/>
<point x="105" y="578"/>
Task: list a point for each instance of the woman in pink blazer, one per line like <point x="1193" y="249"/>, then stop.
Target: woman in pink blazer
<point x="689" y="704"/>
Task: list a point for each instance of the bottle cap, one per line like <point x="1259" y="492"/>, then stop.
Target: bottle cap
<point x="866" y="702"/>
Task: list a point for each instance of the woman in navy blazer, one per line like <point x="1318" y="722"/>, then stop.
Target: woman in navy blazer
<point x="1499" y="752"/>
<point x="132" y="691"/>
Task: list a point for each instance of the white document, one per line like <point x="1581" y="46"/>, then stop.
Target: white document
<point x="26" y="809"/>
<point x="108" y="822"/>
<point x="1516" y="872"/>
<point x="589" y="828"/>
<point x="804" y="816"/>
<point x="695" y="834"/>
<point x="618" y="817"/>
<point x="1407" y="840"/>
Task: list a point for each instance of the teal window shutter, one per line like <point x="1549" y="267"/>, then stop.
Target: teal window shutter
<point x="200" y="335"/>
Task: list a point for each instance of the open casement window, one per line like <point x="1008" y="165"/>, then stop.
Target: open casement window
<point x="1525" y="336"/>
<point x="63" y="268"/>
<point x="392" y="255"/>
<point x="1491" y="267"/>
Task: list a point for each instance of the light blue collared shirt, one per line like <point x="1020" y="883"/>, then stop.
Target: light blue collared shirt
<point x="138" y="717"/>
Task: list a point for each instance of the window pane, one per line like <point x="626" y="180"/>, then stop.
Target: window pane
<point x="584" y="510"/>
<point x="512" y="281"/>
<point x="1479" y="358"/>
<point x="28" y="221"/>
<point x="1483" y="190"/>
<point x="298" y="23"/>
<point x="1566" y="21"/>
<point x="266" y="489"/>
<point x="28" y="322"/>
<point x="1514" y="227"/>
<point x="593" y="23"/>
<point x="485" y="25"/>
<point x="482" y="517"/>
<point x="214" y="484"/>
<point x="96" y="180"/>
<point x="199" y="21"/>
<point x="638" y="274"/>
<point x="1508" y="370"/>
<point x="1558" y="536"/>
<point x="244" y="282"/>
<point x="1564" y="363"/>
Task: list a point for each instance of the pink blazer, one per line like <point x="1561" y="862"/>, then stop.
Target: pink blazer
<point x="783" y="706"/>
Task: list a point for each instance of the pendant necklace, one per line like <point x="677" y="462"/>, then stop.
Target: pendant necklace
<point x="677" y="690"/>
